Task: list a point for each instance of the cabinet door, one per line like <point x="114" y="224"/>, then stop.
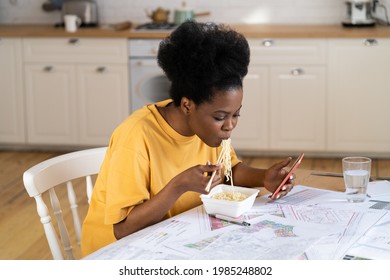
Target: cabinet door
<point x="359" y="95"/>
<point x="75" y="50"/>
<point x="297" y="111"/>
<point x="250" y="133"/>
<point x="12" y="127"/>
<point x="103" y="101"/>
<point x="282" y="51"/>
<point x="50" y="99"/>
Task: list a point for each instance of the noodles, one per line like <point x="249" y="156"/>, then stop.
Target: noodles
<point x="231" y="196"/>
<point x="226" y="160"/>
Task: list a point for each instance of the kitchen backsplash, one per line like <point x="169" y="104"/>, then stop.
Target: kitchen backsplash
<point x="228" y="11"/>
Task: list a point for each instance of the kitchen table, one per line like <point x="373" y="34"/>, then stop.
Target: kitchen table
<point x="313" y="222"/>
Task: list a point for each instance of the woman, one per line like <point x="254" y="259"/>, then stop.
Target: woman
<point x="158" y="160"/>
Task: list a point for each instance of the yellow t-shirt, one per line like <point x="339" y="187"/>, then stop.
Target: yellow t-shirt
<point x="144" y="154"/>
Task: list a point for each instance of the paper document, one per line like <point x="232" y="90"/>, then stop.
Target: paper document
<point x="378" y="188"/>
<point x="375" y="243"/>
<point x="268" y="238"/>
<point x="308" y="223"/>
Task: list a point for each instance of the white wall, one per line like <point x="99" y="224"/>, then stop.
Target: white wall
<point x="228" y="11"/>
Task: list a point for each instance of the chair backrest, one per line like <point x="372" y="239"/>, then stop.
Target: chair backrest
<point x="51" y="173"/>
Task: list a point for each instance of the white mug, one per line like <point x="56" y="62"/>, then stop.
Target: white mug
<point x="72" y="22"/>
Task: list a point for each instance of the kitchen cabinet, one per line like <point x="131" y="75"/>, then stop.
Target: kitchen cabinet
<point x="322" y="96"/>
<point x="251" y="132"/>
<point x="76" y="90"/>
<point x="284" y="97"/>
<point x="297" y="102"/>
<point x="359" y="95"/>
<point x="12" y="126"/>
<point x="103" y="101"/>
<point x="51" y="104"/>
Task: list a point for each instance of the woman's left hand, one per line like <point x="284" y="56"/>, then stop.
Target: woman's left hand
<point x="275" y="175"/>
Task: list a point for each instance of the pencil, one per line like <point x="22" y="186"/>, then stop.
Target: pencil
<point x="232" y="220"/>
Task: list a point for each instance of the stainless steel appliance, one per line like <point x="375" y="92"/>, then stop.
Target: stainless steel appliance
<point x="86" y="10"/>
<point x="359" y="13"/>
<point x="148" y="83"/>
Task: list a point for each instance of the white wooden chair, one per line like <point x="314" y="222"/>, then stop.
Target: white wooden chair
<point x="47" y="175"/>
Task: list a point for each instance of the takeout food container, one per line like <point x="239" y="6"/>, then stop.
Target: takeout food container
<point x="226" y="207"/>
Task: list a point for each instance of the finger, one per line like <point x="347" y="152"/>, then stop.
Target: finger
<point x="210" y="167"/>
<point x="283" y="172"/>
<point x="208" y="173"/>
<point x="287" y="188"/>
<point x="217" y="179"/>
<point x="282" y="193"/>
<point x="283" y="163"/>
<point x="291" y="179"/>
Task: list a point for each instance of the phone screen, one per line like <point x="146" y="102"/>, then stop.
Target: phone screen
<point x="293" y="167"/>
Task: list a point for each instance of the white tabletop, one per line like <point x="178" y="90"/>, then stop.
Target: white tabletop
<point x="309" y="223"/>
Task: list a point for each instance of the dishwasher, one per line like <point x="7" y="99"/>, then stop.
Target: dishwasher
<point x="148" y="83"/>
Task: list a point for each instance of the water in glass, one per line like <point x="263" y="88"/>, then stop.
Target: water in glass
<point x="356" y="184"/>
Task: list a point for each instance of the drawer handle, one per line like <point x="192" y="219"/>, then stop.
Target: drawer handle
<point x="268" y="43"/>
<point x="48" y="68"/>
<point x="101" y="69"/>
<point x="370" y="42"/>
<point x="74" y="41"/>
<point x="297" y="72"/>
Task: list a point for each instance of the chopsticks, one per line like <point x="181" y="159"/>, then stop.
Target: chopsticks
<point x="219" y="160"/>
<point x="223" y="155"/>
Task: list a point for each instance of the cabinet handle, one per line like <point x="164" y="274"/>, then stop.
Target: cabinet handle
<point x="73" y="41"/>
<point x="101" y="69"/>
<point x="48" y="68"/>
<point x="370" y="42"/>
<point x="297" y="72"/>
<point x="268" y="43"/>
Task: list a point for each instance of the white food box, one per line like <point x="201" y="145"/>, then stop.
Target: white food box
<point x="227" y="207"/>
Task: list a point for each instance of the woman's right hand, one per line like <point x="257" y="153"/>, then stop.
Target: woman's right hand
<point x="197" y="177"/>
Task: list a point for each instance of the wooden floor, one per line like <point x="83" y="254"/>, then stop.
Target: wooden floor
<point x="21" y="233"/>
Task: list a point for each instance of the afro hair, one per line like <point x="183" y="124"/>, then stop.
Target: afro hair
<point x="199" y="58"/>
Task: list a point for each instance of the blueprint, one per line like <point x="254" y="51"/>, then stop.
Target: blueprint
<point x="307" y="224"/>
<point x="268" y="238"/>
<point x="375" y="242"/>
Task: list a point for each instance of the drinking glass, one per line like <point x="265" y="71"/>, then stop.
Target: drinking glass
<point x="356" y="171"/>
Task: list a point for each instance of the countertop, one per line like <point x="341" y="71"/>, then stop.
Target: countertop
<point x="249" y="30"/>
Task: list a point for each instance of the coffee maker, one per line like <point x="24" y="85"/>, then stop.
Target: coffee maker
<point x="359" y="13"/>
<point x="86" y="10"/>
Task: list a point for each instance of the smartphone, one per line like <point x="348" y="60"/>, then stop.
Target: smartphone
<point x="293" y="167"/>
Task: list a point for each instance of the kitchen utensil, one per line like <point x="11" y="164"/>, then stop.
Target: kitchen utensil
<point x="160" y="15"/>
<point x="86" y="10"/>
<point x="182" y="14"/>
<point x="121" y="25"/>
